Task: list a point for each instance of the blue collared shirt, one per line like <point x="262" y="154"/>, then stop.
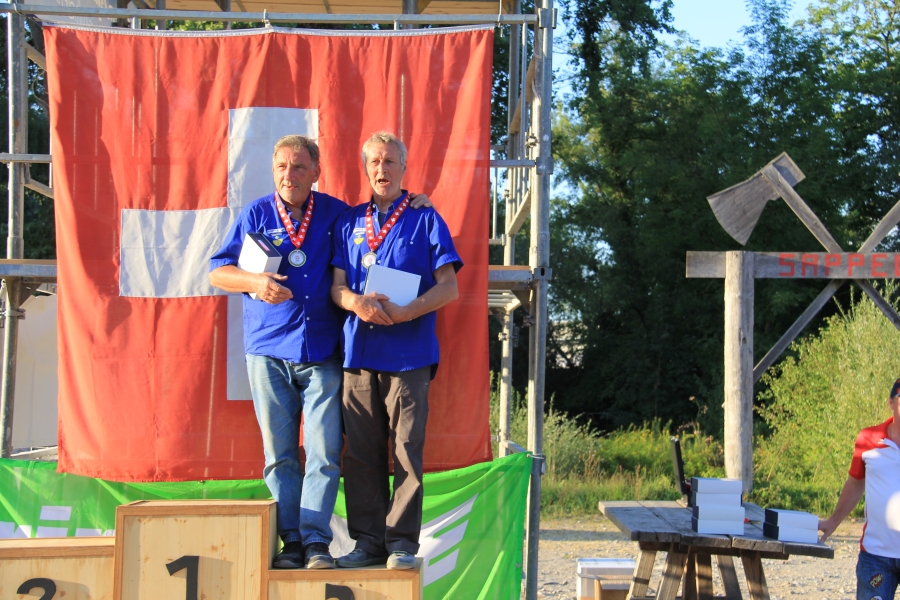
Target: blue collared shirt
<point x="307" y="327"/>
<point x="418" y="243"/>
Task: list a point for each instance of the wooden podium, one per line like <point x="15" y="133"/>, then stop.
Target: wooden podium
<point x="191" y="550"/>
<point x="63" y="568"/>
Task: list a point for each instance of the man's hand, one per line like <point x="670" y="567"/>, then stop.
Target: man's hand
<point x="419" y="200"/>
<point x="270" y="291"/>
<point x="827" y="527"/>
<point x="370" y="308"/>
<point x="397" y="314"/>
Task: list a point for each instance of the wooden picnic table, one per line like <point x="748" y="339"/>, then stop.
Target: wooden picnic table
<point x="666" y="527"/>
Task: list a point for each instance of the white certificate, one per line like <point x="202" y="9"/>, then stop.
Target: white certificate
<point x="401" y="287"/>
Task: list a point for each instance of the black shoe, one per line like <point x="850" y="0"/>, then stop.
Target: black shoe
<point x="290" y="557"/>
<point x="318" y="556"/>
<point x="401" y="560"/>
<point x="361" y="558"/>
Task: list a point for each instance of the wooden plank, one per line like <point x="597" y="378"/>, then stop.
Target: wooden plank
<point x="642" y="573"/>
<point x="729" y="577"/>
<point x="756" y="579"/>
<point x="672" y="573"/>
<point x="826" y="265"/>
<point x="704" y="576"/>
<point x="639" y="523"/>
<point x="522" y="213"/>
<point x="739" y="367"/>
<point x="59" y="547"/>
<point x="708" y="265"/>
<point x="689" y="584"/>
<point x="516" y="123"/>
<point x="884" y="227"/>
<point x="803" y="212"/>
<point x="794" y="330"/>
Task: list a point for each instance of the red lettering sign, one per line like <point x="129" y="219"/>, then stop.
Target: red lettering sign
<point x="811" y="261"/>
<point x="832" y="260"/>
<point x="787" y="260"/>
<point x="855" y="260"/>
<point x="877" y="263"/>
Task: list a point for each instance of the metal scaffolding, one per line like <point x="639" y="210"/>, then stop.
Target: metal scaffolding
<point x="528" y="167"/>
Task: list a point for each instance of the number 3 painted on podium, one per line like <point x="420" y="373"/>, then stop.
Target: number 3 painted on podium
<point x="39" y="582"/>
<point x="192" y="565"/>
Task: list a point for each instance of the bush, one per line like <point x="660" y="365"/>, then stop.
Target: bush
<point x="584" y="466"/>
<point x="816" y="403"/>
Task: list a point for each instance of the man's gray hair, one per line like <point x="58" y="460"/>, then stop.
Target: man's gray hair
<point x="384" y="138"/>
<point x="296" y="143"/>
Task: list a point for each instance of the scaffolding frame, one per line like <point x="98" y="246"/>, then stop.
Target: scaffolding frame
<point x="528" y="165"/>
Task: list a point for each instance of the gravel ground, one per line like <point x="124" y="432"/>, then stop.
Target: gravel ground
<point x="565" y="540"/>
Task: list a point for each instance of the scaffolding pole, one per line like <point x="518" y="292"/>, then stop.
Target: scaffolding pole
<point x="539" y="260"/>
<point x="17" y="70"/>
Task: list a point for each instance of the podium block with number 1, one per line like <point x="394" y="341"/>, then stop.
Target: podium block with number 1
<point x="215" y="550"/>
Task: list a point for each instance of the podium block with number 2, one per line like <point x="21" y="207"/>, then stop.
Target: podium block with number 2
<point x="56" y="569"/>
<point x="215" y="550"/>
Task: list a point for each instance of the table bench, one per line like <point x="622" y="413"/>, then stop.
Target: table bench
<point x="660" y="526"/>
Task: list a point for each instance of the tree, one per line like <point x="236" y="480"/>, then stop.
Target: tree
<point x="651" y="133"/>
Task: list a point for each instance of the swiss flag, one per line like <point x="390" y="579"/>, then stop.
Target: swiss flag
<point x="158" y="141"/>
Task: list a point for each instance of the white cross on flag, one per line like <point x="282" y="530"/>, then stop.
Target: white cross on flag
<point x="158" y="141"/>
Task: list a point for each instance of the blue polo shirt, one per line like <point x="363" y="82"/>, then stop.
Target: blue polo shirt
<point x="307" y="327"/>
<point x="418" y="243"/>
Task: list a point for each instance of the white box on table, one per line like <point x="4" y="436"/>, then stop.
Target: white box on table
<point x="717" y="527"/>
<point x="718" y="513"/>
<point x="791" y="534"/>
<point x="792" y="518"/>
<point x="715" y="485"/>
<point x="715" y="499"/>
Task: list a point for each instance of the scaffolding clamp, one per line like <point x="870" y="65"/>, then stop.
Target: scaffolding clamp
<point x="544" y="165"/>
<point x="542" y="273"/>
<point x="547" y="18"/>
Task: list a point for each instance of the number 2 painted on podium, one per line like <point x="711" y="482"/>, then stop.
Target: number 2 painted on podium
<point x="192" y="565"/>
<point x="39" y="582"/>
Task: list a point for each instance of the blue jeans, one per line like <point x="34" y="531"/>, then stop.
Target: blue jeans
<point x="876" y="577"/>
<point x="281" y="391"/>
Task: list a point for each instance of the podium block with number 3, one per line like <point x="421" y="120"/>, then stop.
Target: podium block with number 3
<point x="56" y="569"/>
<point x="215" y="550"/>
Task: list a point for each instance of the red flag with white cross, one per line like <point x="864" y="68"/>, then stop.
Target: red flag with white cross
<point x="158" y="140"/>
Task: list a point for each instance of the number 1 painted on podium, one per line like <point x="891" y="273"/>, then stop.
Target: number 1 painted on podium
<point x="192" y="565"/>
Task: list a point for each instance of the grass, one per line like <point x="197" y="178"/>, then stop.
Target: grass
<point x="584" y="466"/>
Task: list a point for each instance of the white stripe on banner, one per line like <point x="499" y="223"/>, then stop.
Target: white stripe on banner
<point x="165" y="254"/>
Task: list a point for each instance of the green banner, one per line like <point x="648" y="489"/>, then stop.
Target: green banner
<point x="472" y="524"/>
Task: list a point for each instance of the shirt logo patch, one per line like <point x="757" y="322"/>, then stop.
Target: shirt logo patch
<point x="359" y="234"/>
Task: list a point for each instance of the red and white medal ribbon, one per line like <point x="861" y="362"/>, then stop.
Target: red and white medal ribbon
<point x="296" y="257"/>
<point x="375" y="241"/>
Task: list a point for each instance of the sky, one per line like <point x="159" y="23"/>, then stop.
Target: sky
<point x="717" y="22"/>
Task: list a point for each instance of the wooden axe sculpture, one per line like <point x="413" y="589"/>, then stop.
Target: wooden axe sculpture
<point x="738" y="209"/>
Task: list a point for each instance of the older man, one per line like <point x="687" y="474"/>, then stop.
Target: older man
<point x="291" y="337"/>
<point x="875" y="471"/>
<point x="390" y="356"/>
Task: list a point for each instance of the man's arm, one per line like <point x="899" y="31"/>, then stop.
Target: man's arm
<point x="368" y="307"/>
<point x="233" y="279"/>
<point x="850" y="496"/>
<point x="444" y="292"/>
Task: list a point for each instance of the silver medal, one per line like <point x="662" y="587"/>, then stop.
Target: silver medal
<point x="368" y="259"/>
<point x="297" y="258"/>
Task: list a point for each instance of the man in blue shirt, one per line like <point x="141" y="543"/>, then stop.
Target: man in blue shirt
<point x="390" y="356"/>
<point x="291" y="338"/>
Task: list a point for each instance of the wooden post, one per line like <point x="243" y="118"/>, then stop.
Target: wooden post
<point x="739" y="367"/>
